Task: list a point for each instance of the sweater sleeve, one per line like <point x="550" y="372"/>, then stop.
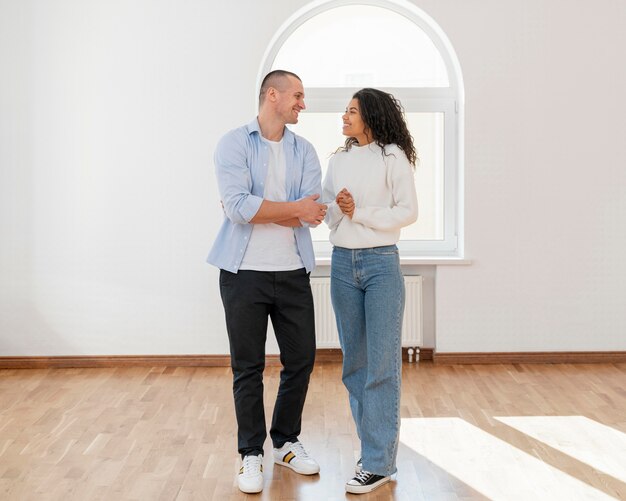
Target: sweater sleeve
<point x="404" y="206"/>
<point x="329" y="193"/>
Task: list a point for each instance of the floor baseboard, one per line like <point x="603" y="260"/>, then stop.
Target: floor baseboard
<point x="540" y="357"/>
<point x="322" y="356"/>
<point x="105" y="361"/>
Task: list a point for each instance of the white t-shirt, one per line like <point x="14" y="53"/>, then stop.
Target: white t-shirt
<point x="273" y="247"/>
<point x="383" y="188"/>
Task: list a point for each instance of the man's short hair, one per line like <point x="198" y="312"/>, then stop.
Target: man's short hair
<point x="273" y="79"/>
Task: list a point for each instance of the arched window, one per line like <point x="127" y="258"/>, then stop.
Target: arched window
<point x="340" y="46"/>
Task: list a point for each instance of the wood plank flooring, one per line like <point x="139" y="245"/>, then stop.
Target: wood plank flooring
<point x="469" y="432"/>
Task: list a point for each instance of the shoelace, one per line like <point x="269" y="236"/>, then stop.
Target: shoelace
<point x="251" y="465"/>
<point x="363" y="476"/>
<point x="298" y="449"/>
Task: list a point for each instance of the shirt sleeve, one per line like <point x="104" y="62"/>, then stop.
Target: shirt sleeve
<point x="233" y="178"/>
<point x="404" y="209"/>
<point x="329" y="194"/>
<point x="312" y="174"/>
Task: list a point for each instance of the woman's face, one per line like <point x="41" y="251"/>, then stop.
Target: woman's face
<point x="353" y="124"/>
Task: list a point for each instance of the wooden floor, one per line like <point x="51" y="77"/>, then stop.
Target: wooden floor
<point x="468" y="432"/>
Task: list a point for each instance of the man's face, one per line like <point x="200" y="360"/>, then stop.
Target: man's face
<point x="290" y="100"/>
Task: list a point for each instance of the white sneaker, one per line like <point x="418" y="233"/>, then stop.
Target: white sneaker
<point x="250" y="478"/>
<point x="295" y="457"/>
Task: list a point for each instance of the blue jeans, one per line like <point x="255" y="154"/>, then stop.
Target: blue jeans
<point x="367" y="292"/>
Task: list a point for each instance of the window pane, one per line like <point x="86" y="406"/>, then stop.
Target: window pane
<point x="427" y="130"/>
<point x="324" y="131"/>
<point x="362" y="46"/>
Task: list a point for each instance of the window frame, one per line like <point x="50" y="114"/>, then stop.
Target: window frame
<point x="447" y="100"/>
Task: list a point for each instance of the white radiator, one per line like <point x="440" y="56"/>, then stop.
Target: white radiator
<point x="326" y="328"/>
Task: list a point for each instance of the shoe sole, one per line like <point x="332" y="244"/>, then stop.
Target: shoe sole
<point x="292" y="467"/>
<point x="364" y="489"/>
<point x="250" y="491"/>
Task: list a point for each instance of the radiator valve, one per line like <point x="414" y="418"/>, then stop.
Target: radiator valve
<point x="413" y="352"/>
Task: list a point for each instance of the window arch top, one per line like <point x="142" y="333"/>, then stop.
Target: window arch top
<point x="362" y="46"/>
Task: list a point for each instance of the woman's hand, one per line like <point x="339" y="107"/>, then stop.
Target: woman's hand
<point x="345" y="202"/>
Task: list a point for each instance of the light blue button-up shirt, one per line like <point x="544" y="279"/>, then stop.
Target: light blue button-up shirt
<point x="241" y="160"/>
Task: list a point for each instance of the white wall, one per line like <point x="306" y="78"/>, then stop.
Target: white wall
<point x="545" y="178"/>
<point x="109" y="112"/>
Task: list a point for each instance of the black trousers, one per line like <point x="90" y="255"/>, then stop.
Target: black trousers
<point x="249" y="298"/>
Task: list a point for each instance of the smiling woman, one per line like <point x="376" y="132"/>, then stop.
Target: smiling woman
<point x="371" y="196"/>
<point x="407" y="55"/>
<point x="353" y="125"/>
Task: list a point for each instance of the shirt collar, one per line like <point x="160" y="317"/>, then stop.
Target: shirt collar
<point x="253" y="126"/>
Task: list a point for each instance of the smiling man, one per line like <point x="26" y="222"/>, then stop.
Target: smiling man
<point x="269" y="180"/>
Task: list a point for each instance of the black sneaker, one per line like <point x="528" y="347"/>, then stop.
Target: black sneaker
<point x="359" y="466"/>
<point x="365" y="482"/>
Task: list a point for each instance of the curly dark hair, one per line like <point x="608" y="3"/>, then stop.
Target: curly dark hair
<point x="383" y="116"/>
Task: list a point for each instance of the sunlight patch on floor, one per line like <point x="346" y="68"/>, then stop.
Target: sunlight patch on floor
<point x="489" y="465"/>
<point x="590" y="442"/>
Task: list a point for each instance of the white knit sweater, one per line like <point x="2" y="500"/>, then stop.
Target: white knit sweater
<point x="383" y="188"/>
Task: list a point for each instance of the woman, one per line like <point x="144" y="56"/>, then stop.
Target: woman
<point x="372" y="192"/>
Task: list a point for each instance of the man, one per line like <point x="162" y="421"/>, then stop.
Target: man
<point x="269" y="180"/>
